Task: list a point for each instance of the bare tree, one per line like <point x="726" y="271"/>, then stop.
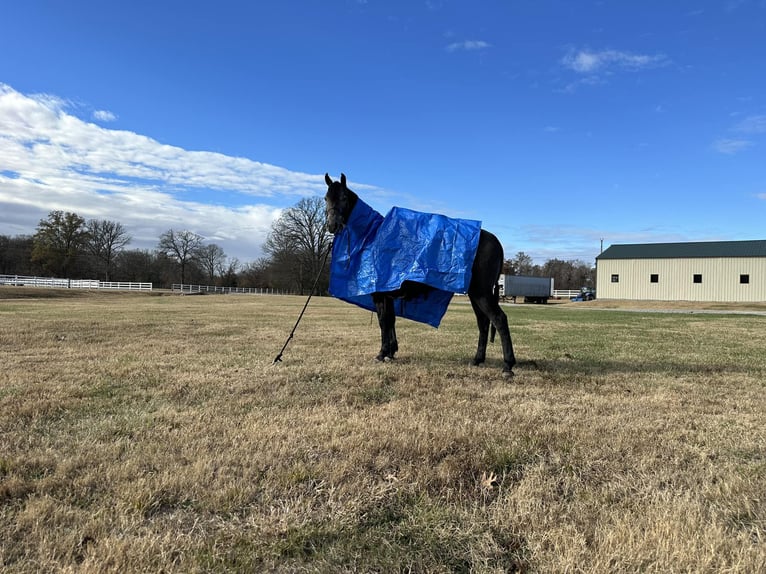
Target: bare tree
<point x="256" y="274"/>
<point x="138" y="265"/>
<point x="105" y="240"/>
<point x="229" y="272"/>
<point x="212" y="260"/>
<point x="298" y="243"/>
<point x="181" y="246"/>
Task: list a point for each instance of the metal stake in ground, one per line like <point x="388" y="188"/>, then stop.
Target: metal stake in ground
<point x="278" y="358"/>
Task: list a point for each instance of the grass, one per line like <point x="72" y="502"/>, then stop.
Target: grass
<point x="151" y="433"/>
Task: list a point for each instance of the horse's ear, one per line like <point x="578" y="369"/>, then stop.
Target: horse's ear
<point x="327" y="179"/>
<point x="343" y="179"/>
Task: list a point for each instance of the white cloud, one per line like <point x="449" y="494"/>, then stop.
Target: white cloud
<point x="594" y="62"/>
<point x="582" y="61"/>
<point x="731" y="146"/>
<point x="104" y="116"/>
<point x="752" y="125"/>
<point x="468" y="46"/>
<point x="51" y="159"/>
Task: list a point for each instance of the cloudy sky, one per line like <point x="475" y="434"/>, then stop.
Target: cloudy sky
<point x="556" y="123"/>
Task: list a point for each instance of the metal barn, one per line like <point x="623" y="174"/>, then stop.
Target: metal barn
<point x="725" y="271"/>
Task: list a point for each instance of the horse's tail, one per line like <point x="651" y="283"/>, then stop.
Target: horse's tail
<point x="496" y="295"/>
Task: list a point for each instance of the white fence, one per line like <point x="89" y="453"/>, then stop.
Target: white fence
<point x="22" y="280"/>
<point x="26" y="281"/>
<point x="186" y="288"/>
<point x="565" y="293"/>
<point x="127" y="285"/>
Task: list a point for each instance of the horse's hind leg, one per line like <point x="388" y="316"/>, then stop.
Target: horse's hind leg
<point x="384" y="306"/>
<point x="489" y="308"/>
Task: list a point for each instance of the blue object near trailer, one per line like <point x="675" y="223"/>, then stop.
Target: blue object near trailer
<point x="585" y="296"/>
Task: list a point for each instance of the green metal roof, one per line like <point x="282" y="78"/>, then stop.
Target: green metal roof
<point x="686" y="250"/>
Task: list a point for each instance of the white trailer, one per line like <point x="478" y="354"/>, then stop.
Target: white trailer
<point x="533" y="289"/>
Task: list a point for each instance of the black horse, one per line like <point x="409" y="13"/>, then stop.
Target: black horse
<point x="482" y="291"/>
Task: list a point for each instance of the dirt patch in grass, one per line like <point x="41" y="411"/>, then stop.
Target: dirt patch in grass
<point x="686" y="306"/>
<point x="9" y="292"/>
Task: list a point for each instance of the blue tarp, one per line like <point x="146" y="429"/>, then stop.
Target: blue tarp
<point x="374" y="253"/>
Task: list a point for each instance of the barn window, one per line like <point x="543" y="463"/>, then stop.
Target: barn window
<point x="698" y="278"/>
<point x="615" y="278"/>
<point x="654" y="278"/>
<point x="744" y="279"/>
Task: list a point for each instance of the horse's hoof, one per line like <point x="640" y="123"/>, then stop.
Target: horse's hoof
<point x="508" y="374"/>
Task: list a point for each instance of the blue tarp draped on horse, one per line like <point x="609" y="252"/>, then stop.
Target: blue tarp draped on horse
<point x="373" y="253"/>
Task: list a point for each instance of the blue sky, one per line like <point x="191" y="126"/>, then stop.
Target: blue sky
<point x="555" y="123"/>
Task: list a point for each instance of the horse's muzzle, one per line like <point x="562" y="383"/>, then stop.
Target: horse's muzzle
<point x="334" y="223"/>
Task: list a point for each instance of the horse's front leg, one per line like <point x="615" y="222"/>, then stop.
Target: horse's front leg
<point x="393" y="343"/>
<point x="384" y="305"/>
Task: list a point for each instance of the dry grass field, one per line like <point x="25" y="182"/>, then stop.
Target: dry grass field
<point x="146" y="433"/>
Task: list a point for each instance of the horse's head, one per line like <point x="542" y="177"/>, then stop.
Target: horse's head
<point x="339" y="201"/>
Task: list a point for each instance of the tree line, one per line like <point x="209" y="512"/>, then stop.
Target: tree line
<point x="66" y="245"/>
<point x="570" y="274"/>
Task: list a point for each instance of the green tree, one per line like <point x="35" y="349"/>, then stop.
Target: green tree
<point x="522" y="264"/>
<point x="572" y="274"/>
<point x="16" y="255"/>
<point x="59" y="242"/>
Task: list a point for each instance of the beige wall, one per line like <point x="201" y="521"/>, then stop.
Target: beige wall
<point x="720" y="279"/>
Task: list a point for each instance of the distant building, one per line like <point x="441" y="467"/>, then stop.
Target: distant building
<point x="725" y="271"/>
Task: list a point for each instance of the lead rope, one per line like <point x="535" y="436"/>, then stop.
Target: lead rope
<point x="278" y="358"/>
